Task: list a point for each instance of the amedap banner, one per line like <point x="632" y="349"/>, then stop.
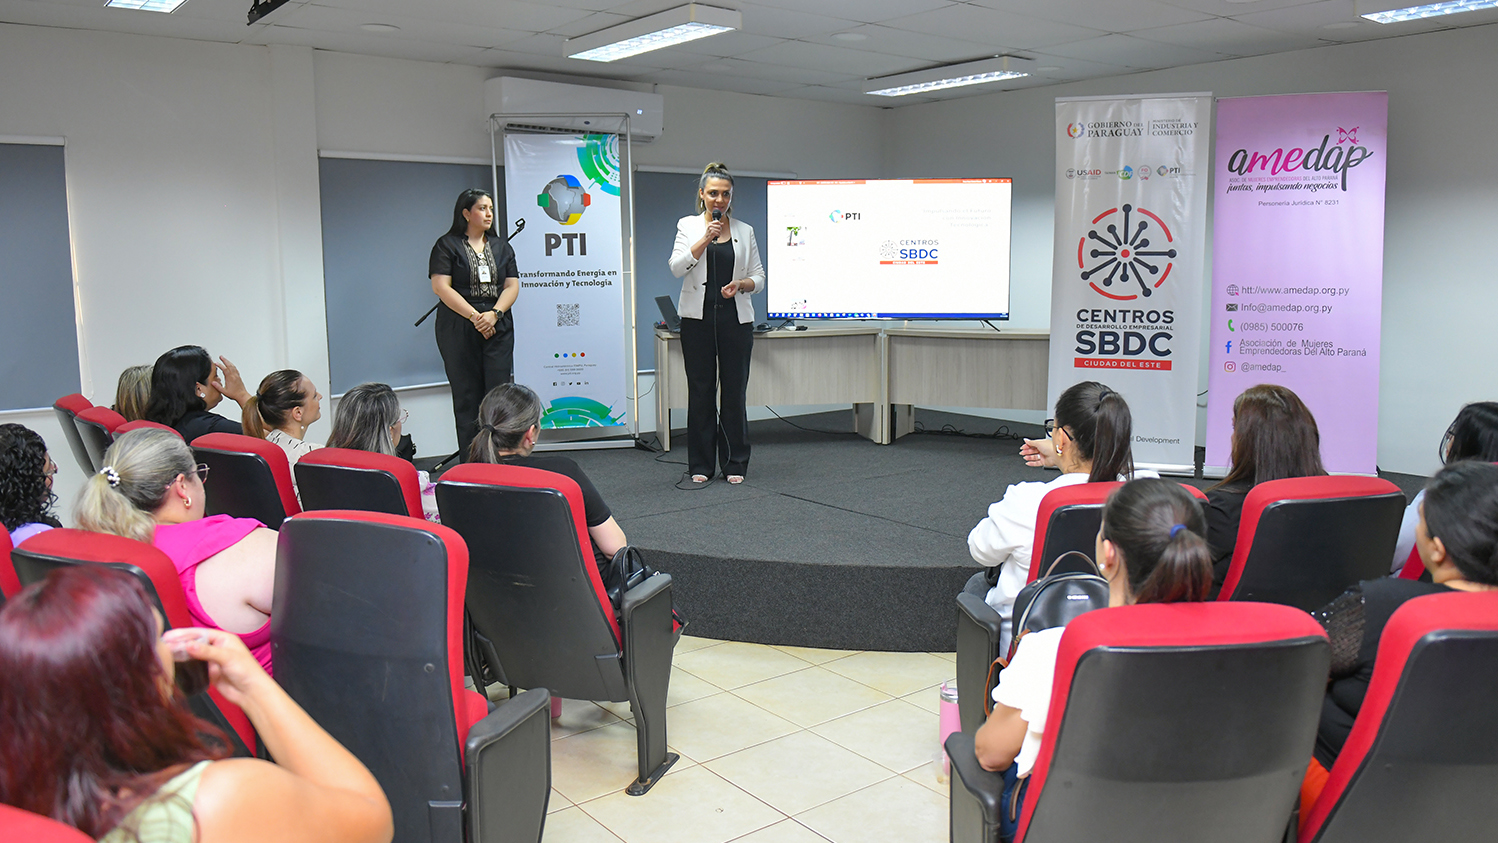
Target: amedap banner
<point x="1297" y="265"/>
<point x="570" y="334"/>
<point x="1126" y="286"/>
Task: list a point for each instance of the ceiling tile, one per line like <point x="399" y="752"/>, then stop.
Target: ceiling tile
<point x="588" y="25"/>
<point x="329" y="19"/>
<point x="866" y="11"/>
<point x="1108" y="15"/>
<point x="918" y="45"/>
<point x="1220" y="35"/>
<point x="784" y="23"/>
<point x="1005" y="30"/>
<point x="1128" y="51"/>
<point x="501" y="14"/>
<point x="774" y="72"/>
<point x="1233" y="8"/>
<point x="364" y="44"/>
<point x="832" y="59"/>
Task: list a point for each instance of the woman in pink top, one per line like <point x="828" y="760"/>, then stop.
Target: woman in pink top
<point x="151" y="490"/>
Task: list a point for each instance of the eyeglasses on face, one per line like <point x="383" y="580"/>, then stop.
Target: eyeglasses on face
<point x="202" y="471"/>
<point x="1050" y="427"/>
<point x="405" y="414"/>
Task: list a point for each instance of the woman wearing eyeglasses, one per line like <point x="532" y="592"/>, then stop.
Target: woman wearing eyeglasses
<point x="26" y="471"/>
<point x="151" y="489"/>
<point x="369" y="418"/>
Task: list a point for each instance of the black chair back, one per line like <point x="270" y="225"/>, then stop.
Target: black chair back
<point x="245" y="478"/>
<point x="340" y="478"/>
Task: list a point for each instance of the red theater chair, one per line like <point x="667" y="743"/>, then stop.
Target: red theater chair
<point x="96" y="427"/>
<point x="9" y="585"/>
<point x="67" y="409"/>
<point x="139" y="424"/>
<point x="43" y="552"/>
<point x="538" y="606"/>
<point x="1422" y="760"/>
<point x="250" y="478"/>
<point x="1183" y="721"/>
<point x="1303" y="541"/>
<point x="341" y="478"/>
<point x="19" y="825"/>
<point x="367" y="631"/>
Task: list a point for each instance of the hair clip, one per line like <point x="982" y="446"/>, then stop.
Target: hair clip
<point x="110" y="475"/>
<point x="1176" y="529"/>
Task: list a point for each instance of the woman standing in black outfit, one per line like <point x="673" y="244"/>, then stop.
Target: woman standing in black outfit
<point x="473" y="273"/>
<point x="718" y="260"/>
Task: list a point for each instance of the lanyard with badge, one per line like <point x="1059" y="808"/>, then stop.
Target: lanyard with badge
<point x="485" y="279"/>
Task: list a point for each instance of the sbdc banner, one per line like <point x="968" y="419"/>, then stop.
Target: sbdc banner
<point x="1126" y="286"/>
<point x="1297" y="265"/>
<point x="569" y="320"/>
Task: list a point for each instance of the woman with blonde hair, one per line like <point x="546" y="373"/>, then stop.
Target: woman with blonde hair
<point x="151" y="489"/>
<point x="132" y="394"/>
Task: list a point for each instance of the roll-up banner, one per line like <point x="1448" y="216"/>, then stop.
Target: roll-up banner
<point x="570" y="334"/>
<point x="1126" y="286"/>
<point x="1298" y="265"/>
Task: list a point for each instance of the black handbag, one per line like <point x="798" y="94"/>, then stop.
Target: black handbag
<point x="1072" y="586"/>
<point x="625" y="571"/>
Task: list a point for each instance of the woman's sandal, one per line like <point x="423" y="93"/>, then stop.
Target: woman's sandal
<point x="735" y="479"/>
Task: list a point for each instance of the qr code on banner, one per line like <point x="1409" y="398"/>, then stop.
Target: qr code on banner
<point x="567" y="315"/>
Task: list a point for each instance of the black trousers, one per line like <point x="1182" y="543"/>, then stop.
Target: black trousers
<point x="474" y="366"/>
<point x="716" y="351"/>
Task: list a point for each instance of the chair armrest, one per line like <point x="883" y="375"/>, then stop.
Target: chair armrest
<point x="508" y="756"/>
<point x="981" y="786"/>
<point x="978" y="638"/>
<point x="646" y="611"/>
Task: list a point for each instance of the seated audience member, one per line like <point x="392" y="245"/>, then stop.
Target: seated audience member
<point x="26" y="471"/>
<point x="1457" y="538"/>
<point x="1274" y="437"/>
<point x="281" y="410"/>
<point x="132" y="395"/>
<point x="1152" y="548"/>
<point x="1473" y="435"/>
<point x="509" y="423"/>
<point x="151" y="489"/>
<point x="97" y="736"/>
<point x="186" y="384"/>
<point x="1090" y="441"/>
<point x="369" y="418"/>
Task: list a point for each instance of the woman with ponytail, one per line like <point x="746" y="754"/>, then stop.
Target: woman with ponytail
<point x="1089" y="440"/>
<point x="281" y="410"/>
<point x="151" y="490"/>
<point x="509" y="422"/>
<point x="1153" y="549"/>
<point x="717" y="259"/>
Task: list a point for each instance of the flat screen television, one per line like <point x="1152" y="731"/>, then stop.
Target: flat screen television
<point x="888" y="249"/>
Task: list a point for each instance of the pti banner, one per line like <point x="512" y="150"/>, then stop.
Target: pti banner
<point x="1298" y="265"/>
<point x="1126" y="285"/>
<point x="570" y="335"/>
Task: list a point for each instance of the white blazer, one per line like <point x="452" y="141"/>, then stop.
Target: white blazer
<point x="693" y="271"/>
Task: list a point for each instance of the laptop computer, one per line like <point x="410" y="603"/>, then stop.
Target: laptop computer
<point x="669" y="314"/>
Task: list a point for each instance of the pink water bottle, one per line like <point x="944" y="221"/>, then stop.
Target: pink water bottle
<point x="951" y="721"/>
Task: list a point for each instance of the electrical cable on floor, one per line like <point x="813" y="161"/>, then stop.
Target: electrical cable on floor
<point x="1003" y="434"/>
<point x="810" y="429"/>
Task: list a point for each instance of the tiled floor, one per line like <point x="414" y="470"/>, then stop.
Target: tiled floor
<point x="777" y="744"/>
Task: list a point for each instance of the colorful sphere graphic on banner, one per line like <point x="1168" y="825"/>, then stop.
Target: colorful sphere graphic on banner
<point x="564" y="199"/>
<point x="1122" y="251"/>
<point x="599" y="158"/>
<point x="575" y="411"/>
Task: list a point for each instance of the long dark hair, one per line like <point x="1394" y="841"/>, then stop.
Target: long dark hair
<point x="1274" y="437"/>
<point x="174" y="384"/>
<point x="1164" y="564"/>
<point x="90" y="731"/>
<point x="364" y="418"/>
<point x="1473" y="434"/>
<point x="279" y="393"/>
<point x="1461" y="509"/>
<point x="507" y="412"/>
<point x="1098" y="421"/>
<point x="466" y="200"/>
<point x="24" y="496"/>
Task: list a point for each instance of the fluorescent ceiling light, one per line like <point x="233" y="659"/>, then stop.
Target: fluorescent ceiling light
<point x="1387" y="12"/>
<point x="146" y="5"/>
<point x="949" y="76"/>
<point x="653" y="32"/>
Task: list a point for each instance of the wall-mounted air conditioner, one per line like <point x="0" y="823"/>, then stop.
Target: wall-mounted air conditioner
<point x="548" y="104"/>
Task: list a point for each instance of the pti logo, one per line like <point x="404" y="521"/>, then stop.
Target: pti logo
<point x="1076" y="130"/>
<point x="564" y="199"/>
<point x="1230" y="366"/>
<point x="844" y="216"/>
<point x="1122" y="249"/>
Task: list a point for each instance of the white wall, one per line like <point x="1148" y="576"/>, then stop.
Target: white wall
<point x="1442" y="200"/>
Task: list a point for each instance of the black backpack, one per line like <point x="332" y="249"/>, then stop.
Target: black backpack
<point x="1070" y="587"/>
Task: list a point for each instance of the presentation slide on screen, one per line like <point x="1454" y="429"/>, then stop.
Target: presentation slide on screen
<point x="889" y="249"/>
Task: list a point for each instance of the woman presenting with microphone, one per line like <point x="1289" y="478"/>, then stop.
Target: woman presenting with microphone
<point x="717" y="258"/>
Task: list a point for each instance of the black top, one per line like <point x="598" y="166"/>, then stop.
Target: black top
<point x="1354" y="623"/>
<point x="595" y="511"/>
<point x="1224" y="511"/>
<point x="450" y="256"/>
<point x="201" y="422"/>
<point x="720" y="272"/>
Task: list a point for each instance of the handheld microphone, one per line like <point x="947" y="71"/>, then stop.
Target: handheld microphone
<point x="717" y="214"/>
